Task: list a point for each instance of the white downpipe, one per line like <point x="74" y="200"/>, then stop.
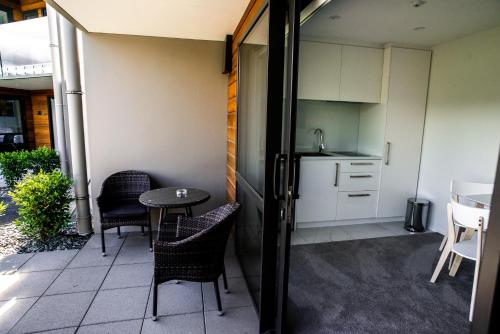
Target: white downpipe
<point x="57" y="83"/>
<point x="71" y="70"/>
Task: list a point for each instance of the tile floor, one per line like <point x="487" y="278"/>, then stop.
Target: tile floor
<point x="347" y="232"/>
<point x="81" y="292"/>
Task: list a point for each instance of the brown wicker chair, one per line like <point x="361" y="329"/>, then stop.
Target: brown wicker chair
<point x="196" y="252"/>
<point x="119" y="204"/>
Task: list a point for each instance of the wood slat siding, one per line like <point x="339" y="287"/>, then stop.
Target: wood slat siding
<point x="253" y="9"/>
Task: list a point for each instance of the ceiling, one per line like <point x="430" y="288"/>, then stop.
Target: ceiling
<point x="394" y="21"/>
<point x="33" y="83"/>
<point x="190" y="19"/>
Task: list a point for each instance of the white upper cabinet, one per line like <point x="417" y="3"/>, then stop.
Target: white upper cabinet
<point x="361" y="74"/>
<point x="319" y="71"/>
<point x="331" y="72"/>
<point x="406" y="102"/>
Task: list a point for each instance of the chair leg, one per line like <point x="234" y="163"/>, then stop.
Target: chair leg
<point x="103" y="245"/>
<point x="142" y="230"/>
<point x="474" y="289"/>
<point x="445" y="238"/>
<point x="217" y="296"/>
<point x="224" y="279"/>
<point x="155" y="300"/>
<point x="442" y="260"/>
<point x="455" y="265"/>
<point x="119" y="232"/>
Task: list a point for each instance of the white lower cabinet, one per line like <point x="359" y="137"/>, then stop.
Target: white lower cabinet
<point x="317" y="190"/>
<point x="357" y="204"/>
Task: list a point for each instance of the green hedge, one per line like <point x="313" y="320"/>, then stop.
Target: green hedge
<point x="43" y="201"/>
<point x="14" y="165"/>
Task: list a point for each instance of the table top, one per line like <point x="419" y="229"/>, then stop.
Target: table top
<point x="484" y="199"/>
<point x="167" y="197"/>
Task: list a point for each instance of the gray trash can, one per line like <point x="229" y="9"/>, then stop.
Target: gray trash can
<point x="417" y="214"/>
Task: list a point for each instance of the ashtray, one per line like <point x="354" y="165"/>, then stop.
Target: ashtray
<point x="181" y="193"/>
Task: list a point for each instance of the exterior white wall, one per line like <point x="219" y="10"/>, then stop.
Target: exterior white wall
<point x="157" y="105"/>
<point x="462" y="129"/>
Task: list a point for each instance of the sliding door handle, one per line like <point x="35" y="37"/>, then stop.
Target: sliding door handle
<point x="387" y="152"/>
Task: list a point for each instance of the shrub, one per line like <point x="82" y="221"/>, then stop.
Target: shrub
<point x="43" y="204"/>
<point x="3" y="207"/>
<point x="14" y="165"/>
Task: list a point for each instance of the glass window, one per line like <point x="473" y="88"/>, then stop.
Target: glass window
<point x="30" y="14"/>
<point x="5" y="15"/>
<point x="11" y="124"/>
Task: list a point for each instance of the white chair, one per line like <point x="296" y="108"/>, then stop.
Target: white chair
<point x="459" y="189"/>
<point x="473" y="218"/>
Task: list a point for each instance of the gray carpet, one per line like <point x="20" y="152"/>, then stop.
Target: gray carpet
<point x="376" y="286"/>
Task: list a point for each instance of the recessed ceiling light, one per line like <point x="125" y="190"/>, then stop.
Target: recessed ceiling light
<point x="334" y="17"/>
<point x="419" y="28"/>
<point x="418" y="3"/>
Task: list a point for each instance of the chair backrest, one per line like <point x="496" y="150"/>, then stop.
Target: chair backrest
<point x="459" y="189"/>
<point x="126" y="185"/>
<point x="469" y="216"/>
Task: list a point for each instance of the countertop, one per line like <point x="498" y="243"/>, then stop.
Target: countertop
<point x="338" y="156"/>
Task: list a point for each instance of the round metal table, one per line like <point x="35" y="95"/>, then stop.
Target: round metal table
<point x="166" y="198"/>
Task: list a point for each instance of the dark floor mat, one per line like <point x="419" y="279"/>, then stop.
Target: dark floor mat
<point x="376" y="286"/>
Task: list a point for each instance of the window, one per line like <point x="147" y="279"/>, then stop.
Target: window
<point x="5" y="14"/>
<point x="11" y="124"/>
<point x="30" y="14"/>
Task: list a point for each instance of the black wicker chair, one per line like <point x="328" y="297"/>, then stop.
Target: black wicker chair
<point x="119" y="204"/>
<point x="196" y="252"/>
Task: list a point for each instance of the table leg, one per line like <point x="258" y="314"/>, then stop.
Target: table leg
<point x="160" y="218"/>
<point x="190" y="211"/>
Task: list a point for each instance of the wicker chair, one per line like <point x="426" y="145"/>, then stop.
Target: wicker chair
<point x="119" y="204"/>
<point x="196" y="252"/>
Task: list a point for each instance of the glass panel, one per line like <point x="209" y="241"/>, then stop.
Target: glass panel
<point x="11" y="124"/>
<point x="252" y="100"/>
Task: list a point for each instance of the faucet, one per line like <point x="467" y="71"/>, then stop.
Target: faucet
<point x="321" y="145"/>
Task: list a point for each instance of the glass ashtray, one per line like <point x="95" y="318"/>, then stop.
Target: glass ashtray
<point x="181" y="193"/>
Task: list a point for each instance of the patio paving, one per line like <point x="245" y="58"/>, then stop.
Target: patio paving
<point x="79" y="291"/>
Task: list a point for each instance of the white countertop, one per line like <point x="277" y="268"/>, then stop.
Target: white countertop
<point x="341" y="157"/>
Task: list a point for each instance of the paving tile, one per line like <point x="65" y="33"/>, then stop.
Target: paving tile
<point x="232" y="267"/>
<point x="184" y="297"/>
<point x="68" y="330"/>
<point x="238" y="294"/>
<point x="117" y="305"/>
<point x="111" y="241"/>
<point x="129" y="275"/>
<point x="49" y="260"/>
<point x="121" y="327"/>
<point x="22" y="285"/>
<point x="53" y="312"/>
<point x="365" y="231"/>
<point x="130" y="255"/>
<point x="13" y="262"/>
<point x="137" y="240"/>
<point x="78" y="280"/>
<point x="395" y="228"/>
<point x="91" y="257"/>
<point x="11" y="311"/>
<point x="191" y="323"/>
<point x="241" y="320"/>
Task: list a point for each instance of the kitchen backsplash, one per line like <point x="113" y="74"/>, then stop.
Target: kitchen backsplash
<point x="338" y="120"/>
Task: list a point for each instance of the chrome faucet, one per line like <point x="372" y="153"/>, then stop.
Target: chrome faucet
<point x="321" y="144"/>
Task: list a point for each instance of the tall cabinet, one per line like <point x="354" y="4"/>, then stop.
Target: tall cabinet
<point x="400" y="116"/>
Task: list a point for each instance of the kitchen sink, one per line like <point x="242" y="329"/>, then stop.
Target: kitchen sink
<point x="314" y="154"/>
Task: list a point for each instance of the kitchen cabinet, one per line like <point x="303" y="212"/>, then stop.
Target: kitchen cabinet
<point x="361" y="74"/>
<point x="319" y="71"/>
<point x="318" y="190"/>
<point x="357" y="204"/>
<point x="331" y="72"/>
<point x="408" y="75"/>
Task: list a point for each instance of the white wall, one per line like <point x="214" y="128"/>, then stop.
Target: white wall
<point x="158" y="105"/>
<point x="339" y="121"/>
<point x="462" y="129"/>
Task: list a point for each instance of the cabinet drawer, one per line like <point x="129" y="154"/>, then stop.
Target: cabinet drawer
<point x="359" y="181"/>
<point x="357" y="204"/>
<point x="359" y="166"/>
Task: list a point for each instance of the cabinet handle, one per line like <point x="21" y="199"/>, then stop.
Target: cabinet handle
<point x="336" y="183"/>
<point x="358" y="195"/>
<point x="360" y="176"/>
<point x="361" y="163"/>
<point x="387" y="152"/>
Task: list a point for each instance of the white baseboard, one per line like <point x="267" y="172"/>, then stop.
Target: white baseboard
<point x="349" y="222"/>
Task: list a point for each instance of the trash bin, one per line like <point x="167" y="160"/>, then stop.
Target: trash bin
<point x="417" y="214"/>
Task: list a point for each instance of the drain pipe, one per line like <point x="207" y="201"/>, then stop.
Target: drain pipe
<point x="71" y="69"/>
<point x="57" y="83"/>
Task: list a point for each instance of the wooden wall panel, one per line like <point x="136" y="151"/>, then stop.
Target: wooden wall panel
<point x="40" y="114"/>
<point x="246" y="20"/>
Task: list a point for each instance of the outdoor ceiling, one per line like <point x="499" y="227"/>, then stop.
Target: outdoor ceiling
<point x="32" y="83"/>
<point x="190" y="19"/>
<point x="400" y="22"/>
